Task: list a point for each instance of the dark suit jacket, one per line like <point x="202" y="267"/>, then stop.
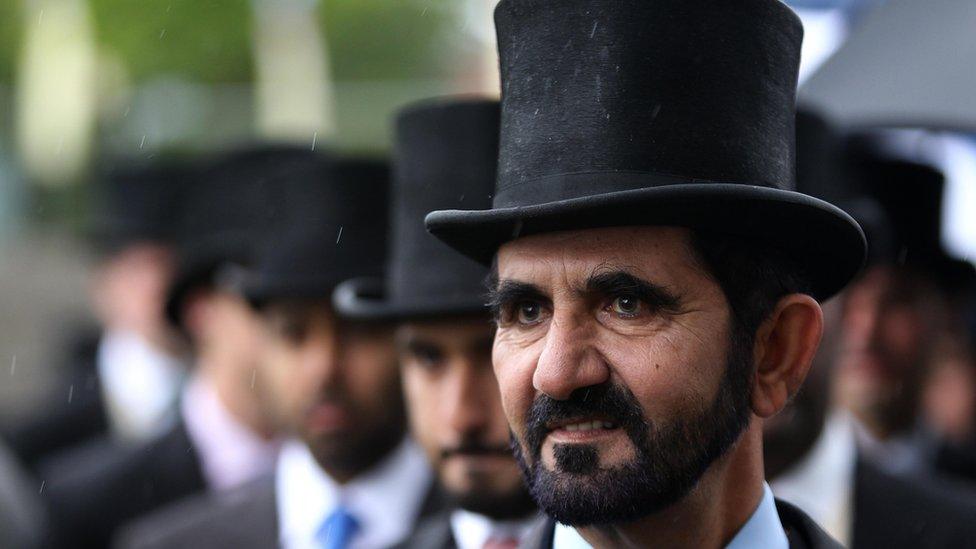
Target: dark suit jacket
<point x="434" y="532"/>
<point x="246" y="518"/>
<point x="801" y="531"/>
<point x="93" y="491"/>
<point x="59" y="424"/>
<point x="894" y="512"/>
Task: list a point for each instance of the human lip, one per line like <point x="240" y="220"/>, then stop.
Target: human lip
<point x="580" y="429"/>
<point x="327" y="417"/>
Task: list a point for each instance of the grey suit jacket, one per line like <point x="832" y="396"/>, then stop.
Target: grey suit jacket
<point x="244" y="518"/>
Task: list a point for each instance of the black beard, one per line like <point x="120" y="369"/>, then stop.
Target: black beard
<point x="670" y="457"/>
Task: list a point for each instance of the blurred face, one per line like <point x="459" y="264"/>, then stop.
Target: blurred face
<point x="456" y="414"/>
<point x="130" y="290"/>
<point x="617" y="370"/>
<point x="887" y="327"/>
<point x="334" y="384"/>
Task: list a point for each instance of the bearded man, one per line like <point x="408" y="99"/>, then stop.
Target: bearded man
<point x="656" y="283"/>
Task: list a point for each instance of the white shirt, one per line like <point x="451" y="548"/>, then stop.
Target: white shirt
<point x="230" y="453"/>
<point x="821" y="484"/>
<point x="140" y="385"/>
<point x="763" y="530"/>
<point x="472" y="530"/>
<point x="385" y="500"/>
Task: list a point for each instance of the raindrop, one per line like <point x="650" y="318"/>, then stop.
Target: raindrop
<point x="71" y="392"/>
<point x="340" y="234"/>
<point x="593" y="32"/>
<point x="13" y="365"/>
<point x="315" y="136"/>
<point x="162" y="33"/>
<point x="42" y="487"/>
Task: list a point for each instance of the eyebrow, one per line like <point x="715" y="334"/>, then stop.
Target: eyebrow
<point x="618" y="282"/>
<point x="507" y="292"/>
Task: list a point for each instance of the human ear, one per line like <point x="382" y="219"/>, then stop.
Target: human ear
<point x="784" y="348"/>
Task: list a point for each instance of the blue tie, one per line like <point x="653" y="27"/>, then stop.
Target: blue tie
<point x="337" y="530"/>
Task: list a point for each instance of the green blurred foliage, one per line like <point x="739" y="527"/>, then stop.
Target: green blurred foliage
<point x="10" y="35"/>
<point x="202" y="40"/>
<point x="385" y="39"/>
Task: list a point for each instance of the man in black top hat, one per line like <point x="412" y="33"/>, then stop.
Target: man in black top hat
<point x="121" y="380"/>
<point x="348" y="476"/>
<point x="222" y="435"/>
<point x="657" y="284"/>
<point x="445" y="156"/>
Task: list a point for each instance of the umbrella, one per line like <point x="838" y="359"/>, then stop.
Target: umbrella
<point x="912" y="63"/>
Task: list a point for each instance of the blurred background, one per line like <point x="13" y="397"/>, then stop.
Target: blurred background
<point x="84" y="83"/>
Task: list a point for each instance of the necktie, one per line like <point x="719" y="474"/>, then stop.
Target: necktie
<point x="337" y="530"/>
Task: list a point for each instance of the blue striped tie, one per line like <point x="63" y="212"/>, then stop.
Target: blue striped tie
<point x="337" y="530"/>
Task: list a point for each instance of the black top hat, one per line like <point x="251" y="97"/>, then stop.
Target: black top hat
<point x="234" y="202"/>
<point x="346" y="237"/>
<point x="446" y="154"/>
<point x="137" y="202"/>
<point x="653" y="112"/>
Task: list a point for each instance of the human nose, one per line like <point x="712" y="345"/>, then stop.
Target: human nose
<point x="569" y="360"/>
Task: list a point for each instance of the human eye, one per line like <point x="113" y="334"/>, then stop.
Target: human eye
<point x="427" y="357"/>
<point x="626" y="306"/>
<point x="528" y="312"/>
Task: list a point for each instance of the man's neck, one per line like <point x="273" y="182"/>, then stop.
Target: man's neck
<point x="709" y="516"/>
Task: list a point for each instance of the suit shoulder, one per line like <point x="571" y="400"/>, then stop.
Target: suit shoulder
<point x="895" y="511"/>
<point x="801" y="531"/>
<point x="241" y="518"/>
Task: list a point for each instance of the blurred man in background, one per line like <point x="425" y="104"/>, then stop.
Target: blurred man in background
<point x="894" y="316"/>
<point x="223" y="436"/>
<point x="811" y="450"/>
<point x="123" y="380"/>
<point x="349" y="477"/>
<point x="446" y="156"/>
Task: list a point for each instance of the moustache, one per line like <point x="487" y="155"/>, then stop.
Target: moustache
<point x="475" y="448"/>
<point x="608" y="401"/>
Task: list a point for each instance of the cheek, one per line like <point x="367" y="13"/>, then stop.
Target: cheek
<point x="670" y="371"/>
<point x="370" y="376"/>
<point x="422" y="401"/>
<point x="514" y="366"/>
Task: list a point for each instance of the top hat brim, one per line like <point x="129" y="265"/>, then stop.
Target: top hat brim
<point x="366" y="299"/>
<point x="198" y="265"/>
<point x="821" y="238"/>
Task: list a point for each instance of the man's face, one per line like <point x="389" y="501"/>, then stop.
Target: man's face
<point x="887" y="327"/>
<point x="617" y="369"/>
<point x="456" y="413"/>
<point x="130" y="288"/>
<point x="335" y="384"/>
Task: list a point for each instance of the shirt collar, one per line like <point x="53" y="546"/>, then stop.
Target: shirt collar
<point x="385" y="500"/>
<point x="140" y="385"/>
<point x="821" y="483"/>
<point x="472" y="530"/>
<point x="763" y="529"/>
<point x="230" y="453"/>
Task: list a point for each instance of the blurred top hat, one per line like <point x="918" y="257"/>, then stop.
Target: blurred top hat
<point x="663" y="112"/>
<point x="343" y="237"/>
<point x="911" y="195"/>
<point x="235" y="201"/>
<point x="446" y="154"/>
<point x="137" y="202"/>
